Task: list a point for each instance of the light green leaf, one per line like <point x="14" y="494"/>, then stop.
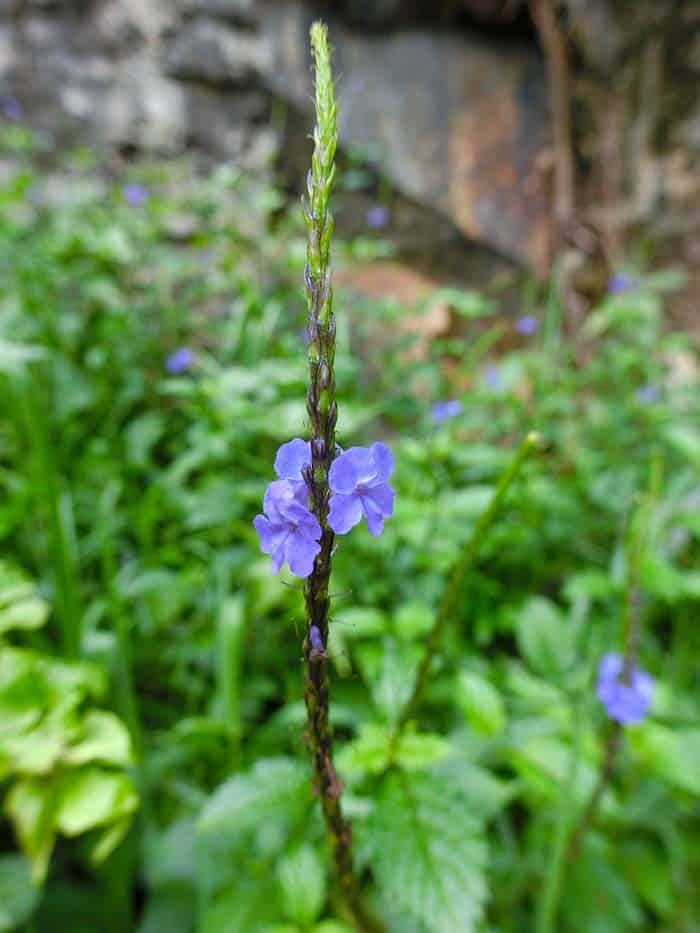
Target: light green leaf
<point x="103" y="738"/>
<point x="413" y="620"/>
<point x="93" y="797"/>
<point x="30" y="805"/>
<point x="673" y="754"/>
<point x="480" y="703"/>
<point x="303" y="881"/>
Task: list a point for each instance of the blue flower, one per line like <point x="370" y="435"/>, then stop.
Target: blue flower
<point x="625" y="702"/>
<point x="179" y="361"/>
<point x="620" y="282"/>
<point x="134" y="194"/>
<point x="377" y="216"/>
<point x="12" y="109"/>
<point x="527" y="325"/>
<point x="443" y="411"/>
<point x="288" y="531"/>
<point x="290" y="461"/>
<point x="359" y="482"/>
<point x="648" y="394"/>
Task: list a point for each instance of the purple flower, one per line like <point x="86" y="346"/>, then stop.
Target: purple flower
<point x="179" y="361"/>
<point x="648" y="394"/>
<point x="359" y="482"/>
<point x="290" y="461"/>
<point x="443" y="411"/>
<point x="492" y="377"/>
<point x="626" y="703"/>
<point x="316" y="643"/>
<point x="135" y="195"/>
<point x="377" y="216"/>
<point x="287" y="531"/>
<point x="12" y="109"/>
<point x="620" y="282"/>
<point x="527" y="325"/>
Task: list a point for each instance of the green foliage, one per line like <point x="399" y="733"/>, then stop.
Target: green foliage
<point x="137" y="613"/>
<point x="429" y="852"/>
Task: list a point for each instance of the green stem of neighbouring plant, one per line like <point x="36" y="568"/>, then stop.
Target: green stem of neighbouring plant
<point x="453" y="590"/>
<point x="124" y="688"/>
<point x="323" y="412"/>
<point x="551" y="893"/>
<point x="56" y="505"/>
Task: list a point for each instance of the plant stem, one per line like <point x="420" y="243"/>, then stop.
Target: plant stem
<point x="323" y="412"/>
<point x="638" y="542"/>
<point x="453" y="589"/>
<point x="549" y="903"/>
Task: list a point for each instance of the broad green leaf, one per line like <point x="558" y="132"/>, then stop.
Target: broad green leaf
<point x="429" y="853"/>
<point x="103" y="738"/>
<point x="303" y="880"/>
<point x="93" y="797"/>
<point x="544" y="638"/>
<point x="359" y="622"/>
<point x="18" y="894"/>
<point x="480" y="703"/>
<point x="673" y="754"/>
<point x="273" y="788"/>
<point x="413" y="620"/>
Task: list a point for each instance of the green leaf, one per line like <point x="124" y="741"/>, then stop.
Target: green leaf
<point x="303" y="880"/>
<point x="370" y="752"/>
<point x="93" y="797"/>
<point x="429" y="853"/>
<point x="21" y="607"/>
<point x="673" y="754"/>
<point x="360" y="622"/>
<point x="172" y="908"/>
<point x="389" y="670"/>
<point x="104" y="738"/>
<point x="413" y="620"/>
<point x="30" y="805"/>
<point x="273" y="789"/>
<point x="543" y="637"/>
<point x="480" y="703"/>
<point x="18" y="894"/>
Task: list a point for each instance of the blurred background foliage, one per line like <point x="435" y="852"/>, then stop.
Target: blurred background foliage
<point x="152" y="751"/>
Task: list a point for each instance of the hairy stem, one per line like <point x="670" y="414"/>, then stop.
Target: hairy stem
<point x="453" y="589"/>
<point x="323" y="412"/>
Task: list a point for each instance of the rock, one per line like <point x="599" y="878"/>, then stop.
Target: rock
<point x="145" y="109"/>
<point x="456" y="121"/>
<point x="241" y="13"/>
<point x="220" y="123"/>
<point x="205" y="50"/>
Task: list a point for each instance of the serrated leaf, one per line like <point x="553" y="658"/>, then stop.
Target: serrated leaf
<point x="273" y="788"/>
<point x="429" y="853"/>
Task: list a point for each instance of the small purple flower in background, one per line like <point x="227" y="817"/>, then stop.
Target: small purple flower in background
<point x="527" y="325"/>
<point x="648" y="394"/>
<point x="290" y="461"/>
<point x="443" y="411"/>
<point x="626" y="703"/>
<point x="287" y="531"/>
<point x="12" y="109"/>
<point x="359" y="482"/>
<point x="135" y="195"/>
<point x="377" y="216"/>
<point x="620" y="282"/>
<point x="180" y="361"/>
<point x="492" y="377"/>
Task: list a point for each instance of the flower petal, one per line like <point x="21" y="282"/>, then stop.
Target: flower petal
<point x="300" y="552"/>
<point x="291" y="458"/>
<point x="345" y="512"/>
<point x="353" y="466"/>
<point x="272" y="538"/>
<point x="384" y="462"/>
<point x="381" y="497"/>
<point x="373" y="516"/>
